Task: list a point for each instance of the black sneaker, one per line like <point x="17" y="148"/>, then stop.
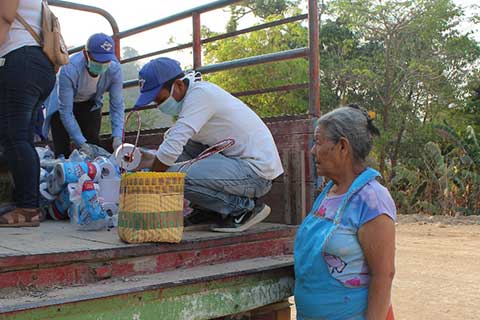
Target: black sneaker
<point x="244" y="221"/>
<point x="201" y="217"/>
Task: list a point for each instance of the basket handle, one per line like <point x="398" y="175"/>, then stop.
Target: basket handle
<point x="129" y="157"/>
<point x="216" y="148"/>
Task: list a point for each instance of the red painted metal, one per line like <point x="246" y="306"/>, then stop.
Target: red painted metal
<point x="197" y="38"/>
<point x="291" y="134"/>
<point x="177" y="17"/>
<point x="86" y="8"/>
<point x="16" y="262"/>
<point x="219" y="37"/>
<point x="255" y="28"/>
<point x="117" y="48"/>
<point x="273" y="89"/>
<point x="314" y="58"/>
<point x="155" y="53"/>
<point x="194" y="13"/>
<point x="62" y="306"/>
<point x="47" y="270"/>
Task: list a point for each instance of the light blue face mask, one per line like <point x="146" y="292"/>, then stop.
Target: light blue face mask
<point x="171" y="106"/>
<point x="97" y="68"/>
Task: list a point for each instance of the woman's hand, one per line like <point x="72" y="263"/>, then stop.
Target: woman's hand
<point x="377" y="238"/>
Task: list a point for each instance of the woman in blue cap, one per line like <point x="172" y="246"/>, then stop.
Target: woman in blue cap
<point x="74" y="109"/>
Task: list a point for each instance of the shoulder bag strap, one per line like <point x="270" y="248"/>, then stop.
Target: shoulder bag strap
<point x="29" y="28"/>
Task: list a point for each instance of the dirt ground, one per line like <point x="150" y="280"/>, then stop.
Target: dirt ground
<point x="437" y="268"/>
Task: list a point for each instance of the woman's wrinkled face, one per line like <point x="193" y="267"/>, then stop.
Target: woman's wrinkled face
<point x="326" y="153"/>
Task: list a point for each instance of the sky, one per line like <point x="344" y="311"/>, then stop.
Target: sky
<point x="77" y="25"/>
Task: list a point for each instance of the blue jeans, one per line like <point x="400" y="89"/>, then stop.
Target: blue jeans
<point x="26" y="80"/>
<point x="221" y="184"/>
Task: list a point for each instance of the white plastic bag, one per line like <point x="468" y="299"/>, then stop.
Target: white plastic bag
<point x="86" y="212"/>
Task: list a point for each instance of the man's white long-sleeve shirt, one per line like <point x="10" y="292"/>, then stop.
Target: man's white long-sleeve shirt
<point x="210" y="114"/>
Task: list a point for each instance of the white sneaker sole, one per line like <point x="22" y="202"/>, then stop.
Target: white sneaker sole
<point x="259" y="217"/>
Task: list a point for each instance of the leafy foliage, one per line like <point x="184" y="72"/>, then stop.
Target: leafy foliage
<point x="448" y="179"/>
<point x="275" y="39"/>
<point x="406" y="60"/>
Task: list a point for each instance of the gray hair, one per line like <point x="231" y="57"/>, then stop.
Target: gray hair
<point x="352" y="123"/>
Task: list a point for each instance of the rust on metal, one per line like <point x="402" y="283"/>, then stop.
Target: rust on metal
<point x="197" y="36"/>
<point x="314" y="58"/>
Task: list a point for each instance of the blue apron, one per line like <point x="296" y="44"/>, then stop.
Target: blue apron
<point x="318" y="295"/>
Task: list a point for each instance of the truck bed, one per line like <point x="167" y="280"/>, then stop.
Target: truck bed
<point x="56" y="272"/>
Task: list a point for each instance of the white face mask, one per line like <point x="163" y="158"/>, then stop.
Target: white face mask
<point x="173" y="107"/>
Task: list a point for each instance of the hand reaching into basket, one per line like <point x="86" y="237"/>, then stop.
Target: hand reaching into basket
<point x="150" y="161"/>
<point x="148" y="157"/>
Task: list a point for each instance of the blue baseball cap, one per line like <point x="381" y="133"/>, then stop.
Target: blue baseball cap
<point x="101" y="47"/>
<point x="153" y="76"/>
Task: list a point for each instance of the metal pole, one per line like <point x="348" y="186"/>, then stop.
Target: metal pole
<point x="117" y="48"/>
<point x="314" y="58"/>
<point x="216" y="38"/>
<point x="86" y="8"/>
<point x="176" y="17"/>
<point x="250" y="61"/>
<point x="197" y="41"/>
<point x="82" y="7"/>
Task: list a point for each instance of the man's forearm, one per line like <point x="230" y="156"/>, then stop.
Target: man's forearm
<point x="159" y="166"/>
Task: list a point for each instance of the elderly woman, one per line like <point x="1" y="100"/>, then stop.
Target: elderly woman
<point x="344" y="250"/>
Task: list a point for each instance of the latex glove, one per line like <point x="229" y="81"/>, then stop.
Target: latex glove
<point x="85" y="148"/>
<point x="117" y="142"/>
<point x="148" y="157"/>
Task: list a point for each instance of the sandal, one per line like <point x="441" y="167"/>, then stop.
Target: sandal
<point x="6" y="207"/>
<point x="20" y="217"/>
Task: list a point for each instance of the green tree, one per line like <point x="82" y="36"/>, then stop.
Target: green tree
<point x="275" y="39"/>
<point x="406" y="60"/>
<point x="415" y="65"/>
<point x="150" y="118"/>
<point x="260" y="8"/>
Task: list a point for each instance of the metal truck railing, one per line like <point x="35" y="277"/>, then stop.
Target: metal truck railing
<point x="311" y="52"/>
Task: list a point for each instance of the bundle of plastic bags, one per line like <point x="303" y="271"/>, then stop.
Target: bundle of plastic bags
<point x="86" y="212"/>
<point x="83" y="190"/>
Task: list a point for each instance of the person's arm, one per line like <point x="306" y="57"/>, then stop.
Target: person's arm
<point x="172" y="146"/>
<point x="117" y="105"/>
<point x="159" y="166"/>
<point x="8" y="9"/>
<point x="65" y="107"/>
<point x="169" y="151"/>
<point x="377" y="238"/>
<point x="150" y="161"/>
<point x="197" y="111"/>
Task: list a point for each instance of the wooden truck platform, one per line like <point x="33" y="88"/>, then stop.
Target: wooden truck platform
<point x="56" y="272"/>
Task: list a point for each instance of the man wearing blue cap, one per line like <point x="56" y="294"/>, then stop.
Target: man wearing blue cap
<point x="228" y="183"/>
<point x="74" y="108"/>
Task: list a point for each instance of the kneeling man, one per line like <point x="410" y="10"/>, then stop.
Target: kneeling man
<point x="228" y="183"/>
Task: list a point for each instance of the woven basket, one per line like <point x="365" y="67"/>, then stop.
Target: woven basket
<point x="151" y="207"/>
